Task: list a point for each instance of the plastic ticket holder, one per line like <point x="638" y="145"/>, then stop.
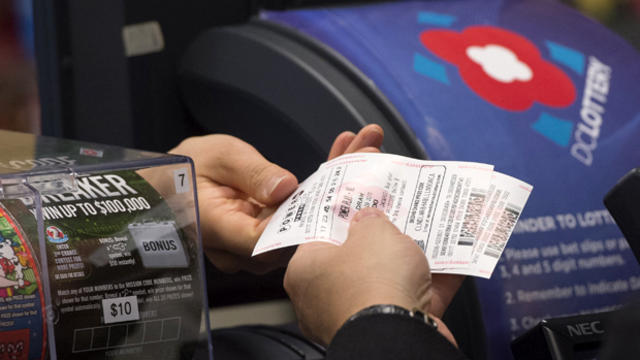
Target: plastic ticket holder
<point x="100" y="253"/>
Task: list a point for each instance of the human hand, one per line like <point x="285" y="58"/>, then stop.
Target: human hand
<point x="238" y="191"/>
<point x="445" y="287"/>
<point x="377" y="264"/>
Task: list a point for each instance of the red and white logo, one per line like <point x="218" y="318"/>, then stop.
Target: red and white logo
<point x="55" y="235"/>
<point x="502" y="67"/>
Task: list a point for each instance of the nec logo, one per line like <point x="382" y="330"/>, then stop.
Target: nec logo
<point x="587" y="328"/>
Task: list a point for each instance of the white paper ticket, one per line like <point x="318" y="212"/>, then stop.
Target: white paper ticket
<point x="504" y="202"/>
<point x="442" y="205"/>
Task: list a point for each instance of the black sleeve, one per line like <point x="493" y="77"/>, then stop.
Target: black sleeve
<point x="386" y="336"/>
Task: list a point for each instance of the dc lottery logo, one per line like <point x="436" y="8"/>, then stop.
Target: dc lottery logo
<point x="502" y="67"/>
<point x="55" y="235"/>
<point x="510" y="72"/>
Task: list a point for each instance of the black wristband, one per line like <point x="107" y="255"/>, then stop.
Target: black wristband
<point x="395" y="310"/>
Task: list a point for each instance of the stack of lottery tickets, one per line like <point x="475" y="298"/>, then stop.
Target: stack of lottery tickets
<point x="461" y="214"/>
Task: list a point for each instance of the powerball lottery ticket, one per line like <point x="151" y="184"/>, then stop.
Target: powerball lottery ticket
<point x="504" y="201"/>
<point x="440" y="204"/>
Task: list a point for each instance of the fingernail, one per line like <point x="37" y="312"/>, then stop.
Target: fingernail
<point x="280" y="187"/>
<point x="365" y="213"/>
<point x="372" y="139"/>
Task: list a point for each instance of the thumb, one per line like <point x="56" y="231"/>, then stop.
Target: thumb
<point x="370" y="213"/>
<point x="230" y="161"/>
<point x="371" y="224"/>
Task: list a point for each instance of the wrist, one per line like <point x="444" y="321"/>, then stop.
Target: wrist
<point x="392" y="309"/>
<point x="415" y="314"/>
<point x="360" y="298"/>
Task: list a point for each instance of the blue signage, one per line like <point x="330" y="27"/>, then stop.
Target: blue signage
<point x="540" y="91"/>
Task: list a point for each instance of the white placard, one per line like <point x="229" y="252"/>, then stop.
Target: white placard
<point x="142" y="38"/>
<point x="120" y="309"/>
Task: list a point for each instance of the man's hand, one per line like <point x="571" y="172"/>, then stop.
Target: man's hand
<point x="377" y="264"/>
<point x="445" y="287"/>
<point x="238" y="191"/>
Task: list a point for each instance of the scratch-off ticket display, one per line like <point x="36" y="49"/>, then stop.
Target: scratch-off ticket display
<point x="124" y="278"/>
<point x="23" y="332"/>
<point x="100" y="253"/>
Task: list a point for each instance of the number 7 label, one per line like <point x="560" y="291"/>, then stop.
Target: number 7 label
<point x="181" y="181"/>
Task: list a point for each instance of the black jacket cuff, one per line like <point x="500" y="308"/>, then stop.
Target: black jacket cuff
<point x="390" y="336"/>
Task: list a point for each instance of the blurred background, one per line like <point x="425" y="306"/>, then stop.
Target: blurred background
<point x="19" y="106"/>
<point x="19" y="103"/>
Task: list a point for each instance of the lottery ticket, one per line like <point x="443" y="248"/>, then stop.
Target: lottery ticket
<point x="459" y="213"/>
<point x="505" y="200"/>
<point x="22" y="305"/>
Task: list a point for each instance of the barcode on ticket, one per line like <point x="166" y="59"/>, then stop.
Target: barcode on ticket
<point x="471" y="219"/>
<point x="502" y="231"/>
